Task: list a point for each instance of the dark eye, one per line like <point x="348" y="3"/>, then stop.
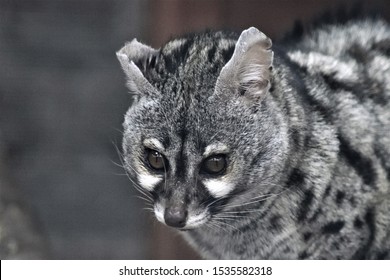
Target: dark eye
<point x="214" y="164"/>
<point x="156" y="160"/>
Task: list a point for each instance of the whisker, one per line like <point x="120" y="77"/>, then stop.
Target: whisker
<point x="218" y="199"/>
<point x="228" y="225"/>
<point x="244" y="211"/>
<point x="212" y="226"/>
<point x="255" y="200"/>
<point x="165" y="176"/>
<point x="228" y="216"/>
<point x="218" y="225"/>
<point x="135" y="185"/>
<point x="219" y="218"/>
<point x="144" y="199"/>
<point x="116" y="164"/>
<point x="150" y="210"/>
<point x="120" y="174"/>
<point x="212" y="137"/>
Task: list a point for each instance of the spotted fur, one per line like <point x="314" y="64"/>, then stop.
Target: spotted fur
<point x="305" y="127"/>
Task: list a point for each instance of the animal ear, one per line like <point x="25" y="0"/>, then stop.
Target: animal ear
<point x="248" y="71"/>
<point x="134" y="57"/>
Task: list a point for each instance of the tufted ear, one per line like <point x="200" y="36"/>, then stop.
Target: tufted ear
<point x="134" y="57"/>
<point x="249" y="69"/>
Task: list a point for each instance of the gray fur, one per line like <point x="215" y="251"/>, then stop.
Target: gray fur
<point x="307" y="140"/>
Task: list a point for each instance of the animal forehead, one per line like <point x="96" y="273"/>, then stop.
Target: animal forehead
<point x="198" y="118"/>
<point x="200" y="141"/>
<point x="204" y="45"/>
<point x="196" y="55"/>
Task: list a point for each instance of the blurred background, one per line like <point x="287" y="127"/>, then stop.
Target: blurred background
<point x="62" y="101"/>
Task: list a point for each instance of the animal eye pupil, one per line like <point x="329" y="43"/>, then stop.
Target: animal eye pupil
<point x="156" y="160"/>
<point x="214" y="164"/>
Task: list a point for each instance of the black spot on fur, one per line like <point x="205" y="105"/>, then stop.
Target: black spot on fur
<point x="357" y="223"/>
<point x="305" y="205"/>
<point x="316" y="214"/>
<point x="362" y="165"/>
<point x="335" y="245"/>
<point x="333" y="83"/>
<point x="362" y="89"/>
<point x="275" y="223"/>
<point x="303" y="255"/>
<point x="327" y="191"/>
<point x="227" y="54"/>
<point x="166" y="141"/>
<point x="306" y="141"/>
<point x="340" y="195"/>
<point x="383" y="255"/>
<point x="297" y="177"/>
<point x="307" y="236"/>
<point x="369" y="219"/>
<point x="286" y="250"/>
<point x="352" y="201"/>
<point x="358" y="53"/>
<point x="383" y="47"/>
<point x="296" y="137"/>
<point x="211" y="54"/>
<point x="333" y="227"/>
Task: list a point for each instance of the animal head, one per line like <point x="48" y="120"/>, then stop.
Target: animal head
<point x="199" y="134"/>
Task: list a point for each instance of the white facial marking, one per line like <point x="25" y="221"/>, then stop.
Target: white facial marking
<point x="216" y="148"/>
<point x="159" y="212"/>
<point x="218" y="187"/>
<point x="154" y="144"/>
<point x="148" y="181"/>
<point x="195" y="221"/>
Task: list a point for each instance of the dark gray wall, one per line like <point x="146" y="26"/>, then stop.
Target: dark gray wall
<point x="62" y="100"/>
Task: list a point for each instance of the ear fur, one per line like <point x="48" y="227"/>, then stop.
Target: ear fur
<point x="249" y="69"/>
<point x="131" y="57"/>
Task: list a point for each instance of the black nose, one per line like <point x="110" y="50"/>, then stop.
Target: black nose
<point x="175" y="217"/>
